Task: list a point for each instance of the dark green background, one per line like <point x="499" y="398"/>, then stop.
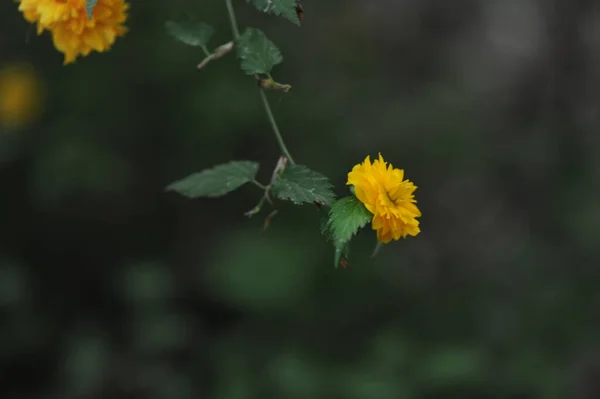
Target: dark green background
<point x="112" y="288"/>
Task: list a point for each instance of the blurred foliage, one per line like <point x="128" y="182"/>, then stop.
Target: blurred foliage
<point x="112" y="288"/>
<point x="21" y="95"/>
<point x="190" y="32"/>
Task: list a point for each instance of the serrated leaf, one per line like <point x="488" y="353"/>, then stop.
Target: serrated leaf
<point x="217" y="181"/>
<point x="89" y="7"/>
<point x="346" y="216"/>
<point x="191" y="33"/>
<point x="258" y="54"/>
<point x="283" y="8"/>
<point x="300" y="184"/>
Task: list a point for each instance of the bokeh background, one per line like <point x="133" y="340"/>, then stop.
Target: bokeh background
<point x="112" y="288"/>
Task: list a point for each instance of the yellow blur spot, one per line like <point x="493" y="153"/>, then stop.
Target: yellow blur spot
<point x="21" y="96"/>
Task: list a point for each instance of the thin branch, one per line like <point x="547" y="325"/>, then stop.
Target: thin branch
<point x="259" y="185"/>
<point x="232" y="20"/>
<point x="263" y="96"/>
<point x="278" y="135"/>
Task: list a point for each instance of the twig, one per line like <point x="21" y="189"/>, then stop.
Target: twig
<point x="263" y="96"/>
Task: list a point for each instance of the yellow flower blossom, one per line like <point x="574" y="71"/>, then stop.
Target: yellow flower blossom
<point x="389" y="197"/>
<point x="21" y="95"/>
<point x="73" y="33"/>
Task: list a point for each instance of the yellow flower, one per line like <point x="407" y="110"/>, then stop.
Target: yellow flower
<point x="73" y="33"/>
<point x="20" y="95"/>
<point x="389" y="197"/>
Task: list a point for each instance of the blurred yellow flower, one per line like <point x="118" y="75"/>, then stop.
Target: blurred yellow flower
<point x="73" y="33"/>
<point x="20" y="96"/>
<point x="389" y="197"/>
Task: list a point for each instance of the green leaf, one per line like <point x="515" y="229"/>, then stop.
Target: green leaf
<point x="217" y="181"/>
<point x="89" y="7"/>
<point x="300" y="184"/>
<point x="258" y="54"/>
<point x="284" y="8"/>
<point x="191" y="33"/>
<point x="346" y="217"/>
<point x="340" y="250"/>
